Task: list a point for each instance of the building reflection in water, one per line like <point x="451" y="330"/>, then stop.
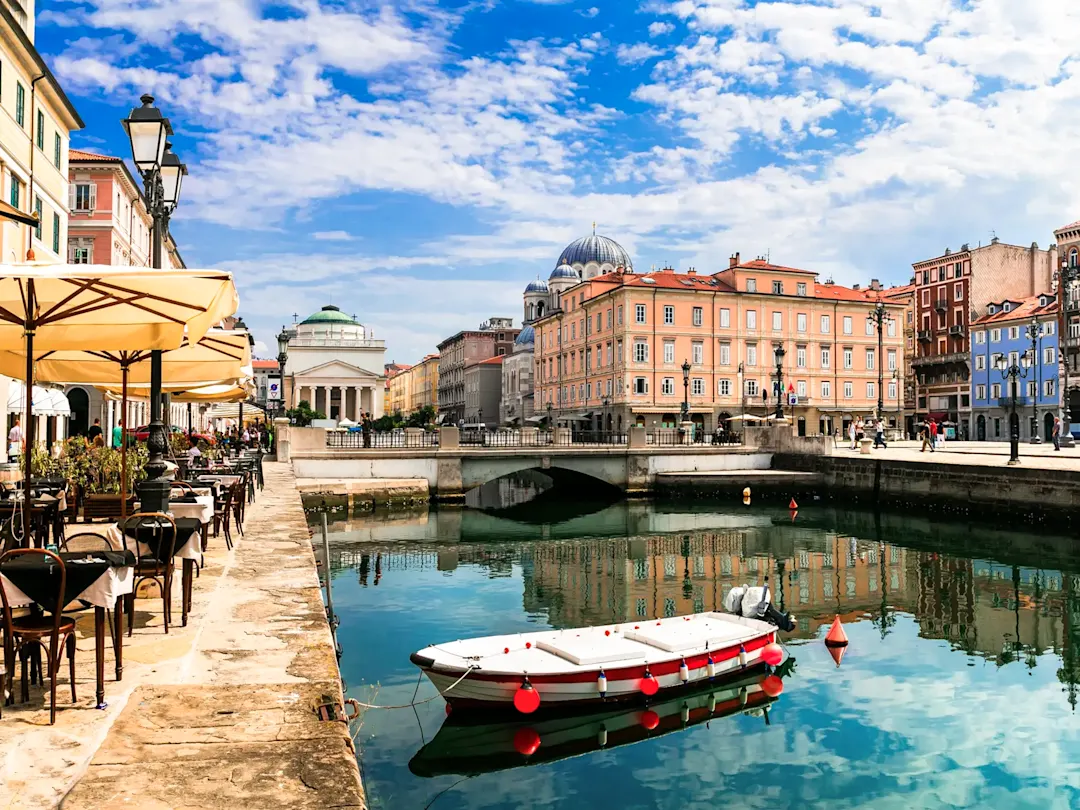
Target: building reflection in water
<point x="1002" y="613"/>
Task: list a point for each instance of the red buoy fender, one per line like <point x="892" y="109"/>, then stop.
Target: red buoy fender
<point x="526" y="741"/>
<point x="526" y="698"/>
<point x="836" y="637"/>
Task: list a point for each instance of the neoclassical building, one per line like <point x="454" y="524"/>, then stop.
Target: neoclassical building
<point x="336" y="366"/>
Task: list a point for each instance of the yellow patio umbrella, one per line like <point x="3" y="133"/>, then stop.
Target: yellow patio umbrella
<point x="46" y="308"/>
<point x="220" y="355"/>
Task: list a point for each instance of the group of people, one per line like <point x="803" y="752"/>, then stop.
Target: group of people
<point x="860" y="428"/>
<point x="929" y="435"/>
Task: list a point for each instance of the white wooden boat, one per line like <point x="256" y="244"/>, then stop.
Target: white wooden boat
<point x="617" y="662"/>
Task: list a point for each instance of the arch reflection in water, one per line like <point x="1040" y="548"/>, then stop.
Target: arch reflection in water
<point x="543" y="496"/>
<point x="471" y="746"/>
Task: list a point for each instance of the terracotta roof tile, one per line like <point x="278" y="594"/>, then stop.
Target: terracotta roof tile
<point x="264" y="363"/>
<point x="79" y="154"/>
<point x="1027" y="308"/>
<point x="491" y="361"/>
<point x="761" y="264"/>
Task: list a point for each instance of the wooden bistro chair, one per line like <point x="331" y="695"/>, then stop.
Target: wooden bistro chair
<point x="239" y="500"/>
<point x="223" y="510"/>
<point x="24" y="634"/>
<point x="155" y="564"/>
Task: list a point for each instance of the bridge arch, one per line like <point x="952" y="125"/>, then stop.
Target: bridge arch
<point x="610" y="470"/>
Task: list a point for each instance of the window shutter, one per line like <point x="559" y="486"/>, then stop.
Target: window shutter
<point x="71" y="196"/>
<point x="93" y="196"/>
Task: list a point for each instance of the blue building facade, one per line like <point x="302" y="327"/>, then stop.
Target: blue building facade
<point x="1010" y="329"/>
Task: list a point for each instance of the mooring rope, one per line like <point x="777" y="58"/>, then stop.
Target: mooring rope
<point x="414" y="702"/>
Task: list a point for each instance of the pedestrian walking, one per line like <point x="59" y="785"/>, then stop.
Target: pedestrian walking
<point x="851" y="435"/>
<point x="933" y="435"/>
<point x="1056" y="433"/>
<point x="15" y="441"/>
<point x="365" y="426"/>
<point x="924" y="434"/>
<point x="879" y="435"/>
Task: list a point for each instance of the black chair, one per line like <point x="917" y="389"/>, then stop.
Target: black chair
<point x="23" y="635"/>
<point x="156" y="531"/>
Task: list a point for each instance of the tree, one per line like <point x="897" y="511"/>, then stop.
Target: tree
<point x="302" y="414"/>
<point x="421" y="417"/>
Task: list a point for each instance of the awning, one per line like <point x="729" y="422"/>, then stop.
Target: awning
<point x="47" y="401"/>
<point x="232" y="411"/>
<point x="11" y="212"/>
<point x="536" y="420"/>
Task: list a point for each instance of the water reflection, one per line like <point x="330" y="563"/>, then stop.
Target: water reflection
<point x="959" y="687"/>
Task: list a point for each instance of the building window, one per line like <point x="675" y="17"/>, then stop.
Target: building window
<point x="826" y="356"/>
<point x="724" y="388"/>
<point x="639" y="313"/>
<point x="980" y="362"/>
<point x="869" y="359"/>
<point x="1014" y="333"/>
<point x="14" y="192"/>
<point x="871" y="390"/>
<point x="849" y="390"/>
<point x="800" y="389"/>
<point x="751" y="354"/>
<point x="892" y="359"/>
<point x="641" y="385"/>
<point x="847" y="325"/>
<point x="980" y="392"/>
<point x="1048" y="388"/>
<point x="995" y="335"/>
<point x="849" y="361"/>
<point x="778" y="288"/>
<point x="958" y="291"/>
<point x="1049" y="357"/>
<point x="667" y="386"/>
<point x="725" y="354"/>
<point x="641" y="351"/>
<point x="995" y="391"/>
<point x="669" y="316"/>
<point x="751" y="388"/>
<point x="1032" y="388"/>
<point x="800" y="288"/>
<point x="826" y="389"/>
<point x="800" y="322"/>
<point x="980" y="337"/>
<point x="669" y="352"/>
<point x="890" y="329"/>
<point x="38" y="211"/>
<point x="725" y="318"/>
<point x="56" y="233"/>
<point x="697" y="353"/>
<point x="80" y="255"/>
<point x="698" y="316"/>
<point x="573" y="331"/>
<point x="871" y="327"/>
<point x="826" y="324"/>
<point x="618" y="315"/>
<point x="751" y="319"/>
<point x="777" y="321"/>
<point x="892" y="390"/>
<point x="40" y="134"/>
<point x="56" y="149"/>
<point x="800" y="357"/>
<point x="697" y="386"/>
<point x="20" y="104"/>
<point x="85" y="197"/>
<point x="751" y="285"/>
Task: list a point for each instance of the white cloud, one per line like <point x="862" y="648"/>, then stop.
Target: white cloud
<point x="332" y="236"/>
<point x="659" y="29"/>
<point x="637" y="53"/>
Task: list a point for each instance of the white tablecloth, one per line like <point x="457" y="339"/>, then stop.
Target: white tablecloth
<point x="202" y="510"/>
<point x="191" y="550"/>
<point x="103" y="592"/>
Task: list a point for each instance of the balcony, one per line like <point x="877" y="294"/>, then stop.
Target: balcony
<point x="956" y="331"/>
<point x="925" y="336"/>
<point x="942" y="304"/>
<point x="941" y="359"/>
<point x="1007" y="402"/>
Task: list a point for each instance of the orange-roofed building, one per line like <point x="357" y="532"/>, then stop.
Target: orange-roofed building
<point x="613" y="350"/>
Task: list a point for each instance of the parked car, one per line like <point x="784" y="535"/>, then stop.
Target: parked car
<point x="142" y="433"/>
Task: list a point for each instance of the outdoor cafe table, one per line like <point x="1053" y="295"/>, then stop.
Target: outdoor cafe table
<point x="47" y="507"/>
<point x="98" y="578"/>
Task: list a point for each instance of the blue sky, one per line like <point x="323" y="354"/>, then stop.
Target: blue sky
<point x="417" y="162"/>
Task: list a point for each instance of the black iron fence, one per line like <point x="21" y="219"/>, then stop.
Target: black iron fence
<point x="505" y="438"/>
<point x="395" y="438"/>
<point x="674" y="437"/>
<point x="400" y="439"/>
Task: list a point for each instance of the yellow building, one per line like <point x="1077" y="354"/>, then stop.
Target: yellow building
<point x="36" y="120"/>
<point x="425" y="384"/>
<point x="399" y="391"/>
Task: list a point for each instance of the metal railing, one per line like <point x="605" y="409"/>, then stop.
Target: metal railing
<point x="673" y="437"/>
<point x="359" y="440"/>
<point x="505" y="438"/>
<point x="593" y="438"/>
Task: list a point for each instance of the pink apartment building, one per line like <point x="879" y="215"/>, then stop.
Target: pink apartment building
<point x="612" y="353"/>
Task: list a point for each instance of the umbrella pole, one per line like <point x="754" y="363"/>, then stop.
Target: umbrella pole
<point x="28" y="434"/>
<point x="123" y="441"/>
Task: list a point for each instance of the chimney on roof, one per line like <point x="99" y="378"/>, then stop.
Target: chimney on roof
<point x="994" y="241"/>
<point x="691" y="272"/>
<point x="734" y="260"/>
<point x="667" y="269"/>
<point x="875" y="284"/>
<point x="854" y="286"/>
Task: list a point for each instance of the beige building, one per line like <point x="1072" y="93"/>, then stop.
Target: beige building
<point x="494" y="338"/>
<point x="425" y="384"/>
<point x="36" y="121"/>
<point x="399" y="390"/>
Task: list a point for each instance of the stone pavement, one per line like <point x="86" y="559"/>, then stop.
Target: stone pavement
<point x="987" y="454"/>
<point x="215" y="714"/>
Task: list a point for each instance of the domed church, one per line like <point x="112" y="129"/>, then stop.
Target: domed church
<point x="584" y="258"/>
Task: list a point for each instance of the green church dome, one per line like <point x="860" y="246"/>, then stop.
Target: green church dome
<point x="330" y="314"/>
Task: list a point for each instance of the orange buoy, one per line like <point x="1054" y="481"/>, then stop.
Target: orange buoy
<point x="837" y="654"/>
<point x="772" y="686"/>
<point x="772" y="654"/>
<point x="793" y="505"/>
<point x="836" y="637"/>
<point x="526" y="741"/>
<point x="650" y="719"/>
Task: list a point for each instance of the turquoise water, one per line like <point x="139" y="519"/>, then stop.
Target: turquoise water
<point x="958" y="688"/>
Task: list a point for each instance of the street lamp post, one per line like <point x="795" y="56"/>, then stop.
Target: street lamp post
<point x="1034" y="334"/>
<point x="282" y="358"/>
<point x="1014" y="372"/>
<point x="879" y="316"/>
<point x="686" y="391"/>
<point x="162" y="175"/>
<point x="779" y="353"/>
<point x="550" y="426"/>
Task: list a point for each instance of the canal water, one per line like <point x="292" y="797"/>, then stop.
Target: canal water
<point x="959" y="687"/>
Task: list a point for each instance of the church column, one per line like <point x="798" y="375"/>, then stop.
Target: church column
<point x="343" y="409"/>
